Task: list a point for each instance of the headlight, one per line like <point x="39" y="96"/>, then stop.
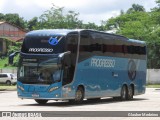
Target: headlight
<point x="20" y="87"/>
<point x="53" y="88"/>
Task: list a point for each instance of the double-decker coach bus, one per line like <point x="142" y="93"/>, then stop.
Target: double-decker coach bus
<point x="80" y="64"/>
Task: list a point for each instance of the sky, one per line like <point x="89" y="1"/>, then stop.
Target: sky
<point x="89" y="10"/>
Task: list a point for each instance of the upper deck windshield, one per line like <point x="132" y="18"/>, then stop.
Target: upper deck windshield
<point x="34" y="71"/>
<point x="43" y="44"/>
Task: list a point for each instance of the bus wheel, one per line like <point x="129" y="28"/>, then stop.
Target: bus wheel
<point x="42" y="102"/>
<point x="123" y="93"/>
<point x="130" y="93"/>
<point x="79" y="95"/>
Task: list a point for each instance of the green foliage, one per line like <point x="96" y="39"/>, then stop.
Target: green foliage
<point x="13" y="19"/>
<point x="153" y="86"/>
<point x="4" y="62"/>
<point x="14" y="47"/>
<point x="8" y="88"/>
<point x="57" y="18"/>
<point x="33" y="23"/>
<point x="136" y="23"/>
<point x="135" y="8"/>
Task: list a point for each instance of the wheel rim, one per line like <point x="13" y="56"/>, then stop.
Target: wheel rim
<point x="79" y="95"/>
<point x="123" y="93"/>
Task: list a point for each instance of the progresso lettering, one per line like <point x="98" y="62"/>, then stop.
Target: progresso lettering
<point x="107" y="63"/>
<point x="40" y="50"/>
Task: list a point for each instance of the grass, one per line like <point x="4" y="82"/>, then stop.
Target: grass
<point x="153" y="86"/>
<point x="7" y="87"/>
<point x="4" y="63"/>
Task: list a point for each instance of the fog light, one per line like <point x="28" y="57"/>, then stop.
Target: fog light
<point x="56" y="95"/>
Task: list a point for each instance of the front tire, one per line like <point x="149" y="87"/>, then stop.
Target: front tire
<point x="78" y="96"/>
<point x="123" y="93"/>
<point x="41" y="102"/>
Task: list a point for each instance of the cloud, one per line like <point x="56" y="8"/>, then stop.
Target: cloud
<point x="90" y="10"/>
<point x="2" y="2"/>
<point x="25" y="8"/>
<point x="98" y="17"/>
<point x="97" y="10"/>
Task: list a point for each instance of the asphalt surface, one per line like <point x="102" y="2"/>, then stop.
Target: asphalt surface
<point x="150" y="101"/>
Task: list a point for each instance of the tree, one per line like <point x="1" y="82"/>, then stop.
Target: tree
<point x="13" y="19"/>
<point x="71" y="20"/>
<point x="57" y="18"/>
<point x="136" y="8"/>
<point x="32" y="24"/>
<point x="90" y="26"/>
<point x="2" y="16"/>
<point x="157" y="9"/>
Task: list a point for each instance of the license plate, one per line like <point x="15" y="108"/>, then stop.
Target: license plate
<point x="35" y="95"/>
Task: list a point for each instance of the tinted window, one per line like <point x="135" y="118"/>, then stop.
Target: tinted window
<point x="3" y="75"/>
<point x="72" y="42"/>
<point x="43" y="44"/>
<point x="103" y="44"/>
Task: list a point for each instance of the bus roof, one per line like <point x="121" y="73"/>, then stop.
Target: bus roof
<point x="49" y="32"/>
<point x="63" y="32"/>
<point x="137" y="41"/>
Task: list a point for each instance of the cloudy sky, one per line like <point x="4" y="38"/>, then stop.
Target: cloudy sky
<point x="90" y="10"/>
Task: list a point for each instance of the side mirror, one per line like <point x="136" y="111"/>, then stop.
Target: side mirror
<point x="61" y="56"/>
<point x="11" y="57"/>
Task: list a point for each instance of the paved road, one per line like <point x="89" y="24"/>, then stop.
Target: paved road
<point x="147" y="102"/>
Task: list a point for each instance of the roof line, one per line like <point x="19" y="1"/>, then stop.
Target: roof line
<point x="1" y="22"/>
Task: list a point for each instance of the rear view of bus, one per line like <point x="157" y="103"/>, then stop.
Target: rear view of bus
<point x="80" y="64"/>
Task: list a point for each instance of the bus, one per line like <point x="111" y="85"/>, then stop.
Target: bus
<point x="73" y="65"/>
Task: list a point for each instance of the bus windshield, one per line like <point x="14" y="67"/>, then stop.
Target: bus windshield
<point x="42" y="72"/>
<point x="43" y="44"/>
